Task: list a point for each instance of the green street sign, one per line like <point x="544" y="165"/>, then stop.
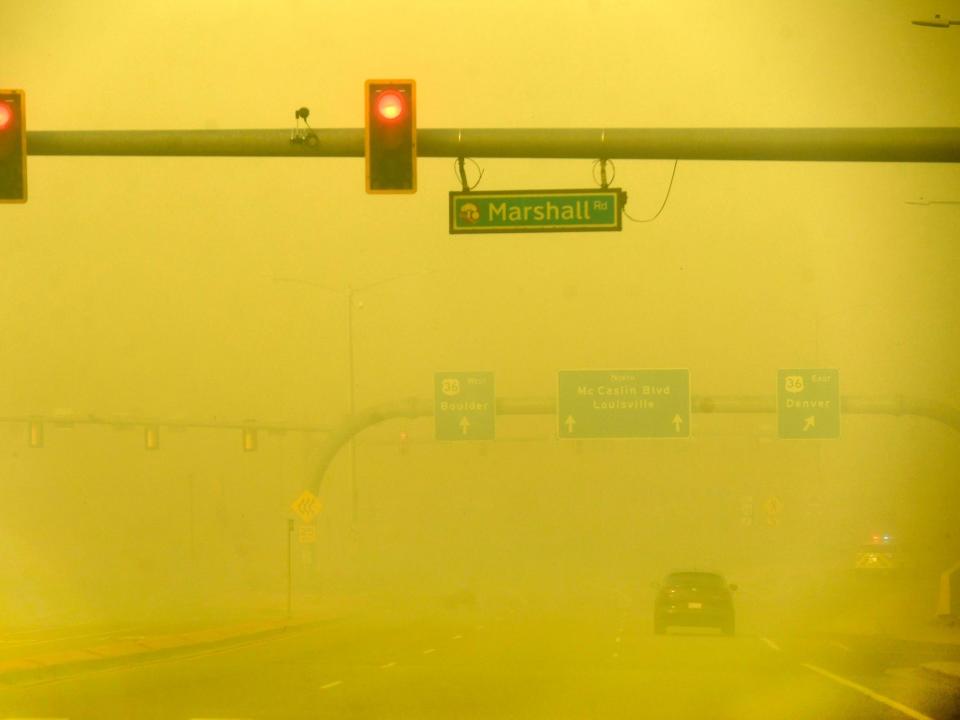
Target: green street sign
<point x="623" y="403"/>
<point x="808" y="403"/>
<point x="519" y="211"/>
<point x="464" y="405"/>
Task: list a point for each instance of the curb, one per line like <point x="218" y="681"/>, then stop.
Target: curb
<point x="51" y="665"/>
<point x="948" y="670"/>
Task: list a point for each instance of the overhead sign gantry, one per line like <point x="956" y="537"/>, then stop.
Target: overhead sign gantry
<point x="465" y="406"/>
<point x="623" y="403"/>
<point x="808" y="403"/>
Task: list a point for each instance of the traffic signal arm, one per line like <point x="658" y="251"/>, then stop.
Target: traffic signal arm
<point x="916" y="144"/>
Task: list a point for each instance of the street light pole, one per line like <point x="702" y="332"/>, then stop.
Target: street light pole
<point x="351" y="404"/>
<point x="351" y="292"/>
<point x="351" y="298"/>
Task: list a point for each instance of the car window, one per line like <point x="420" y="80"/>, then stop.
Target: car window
<point x="695" y="579"/>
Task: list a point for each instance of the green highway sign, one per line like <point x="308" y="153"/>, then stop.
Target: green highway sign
<point x="464" y="405"/>
<point x="808" y="403"/>
<point x="518" y="211"/>
<point x="624" y="403"/>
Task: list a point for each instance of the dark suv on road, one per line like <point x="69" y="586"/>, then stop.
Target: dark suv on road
<point x="694" y="599"/>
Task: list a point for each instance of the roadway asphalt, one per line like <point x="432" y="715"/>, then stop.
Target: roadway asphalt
<point x="464" y="664"/>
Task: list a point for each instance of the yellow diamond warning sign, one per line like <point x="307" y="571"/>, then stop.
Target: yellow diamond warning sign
<point x="307" y="506"/>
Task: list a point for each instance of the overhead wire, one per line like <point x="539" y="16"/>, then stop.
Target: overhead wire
<point x="665" y="198"/>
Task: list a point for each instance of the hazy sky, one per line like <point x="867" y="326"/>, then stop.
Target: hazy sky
<point x="218" y="287"/>
<point x="133" y="261"/>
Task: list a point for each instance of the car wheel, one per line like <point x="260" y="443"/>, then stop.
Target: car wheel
<point x="728" y="627"/>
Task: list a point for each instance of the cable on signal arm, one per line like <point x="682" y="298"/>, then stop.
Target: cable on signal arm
<point x="665" y="198"/>
<point x="460" y="172"/>
<point x="303" y="135"/>
<point x="603" y="181"/>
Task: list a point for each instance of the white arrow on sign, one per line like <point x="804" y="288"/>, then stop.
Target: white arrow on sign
<point x="676" y="422"/>
<point x="809" y="422"/>
<point x="464" y="424"/>
<point x="569" y="422"/>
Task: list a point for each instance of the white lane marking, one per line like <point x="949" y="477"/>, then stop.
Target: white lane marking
<point x="771" y="643"/>
<point x="839" y="645"/>
<point x="457" y="637"/>
<point x="429" y="650"/>
<point x="331" y="684"/>
<point x="908" y="711"/>
<point x="390" y="664"/>
<point x="618" y="638"/>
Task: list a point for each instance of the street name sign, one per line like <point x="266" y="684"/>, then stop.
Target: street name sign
<point x="464" y="406"/>
<point x="808" y="403"/>
<point x="623" y="403"/>
<point x="522" y="211"/>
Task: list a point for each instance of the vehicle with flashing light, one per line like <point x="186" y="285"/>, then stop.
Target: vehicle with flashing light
<point x="881" y="555"/>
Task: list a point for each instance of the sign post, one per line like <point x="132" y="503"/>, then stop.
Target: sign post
<point x="289" y="567"/>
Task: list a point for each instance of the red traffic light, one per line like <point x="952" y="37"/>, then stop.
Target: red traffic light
<point x="13" y="147"/>
<point x="390" y="105"/>
<point x="390" y="137"/>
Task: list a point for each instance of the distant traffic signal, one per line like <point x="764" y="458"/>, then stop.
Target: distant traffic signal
<point x="390" y="140"/>
<point x="13" y="147"/>
<point x="36" y="434"/>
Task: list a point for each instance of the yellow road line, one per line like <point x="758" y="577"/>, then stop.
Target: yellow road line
<point x="136" y="663"/>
